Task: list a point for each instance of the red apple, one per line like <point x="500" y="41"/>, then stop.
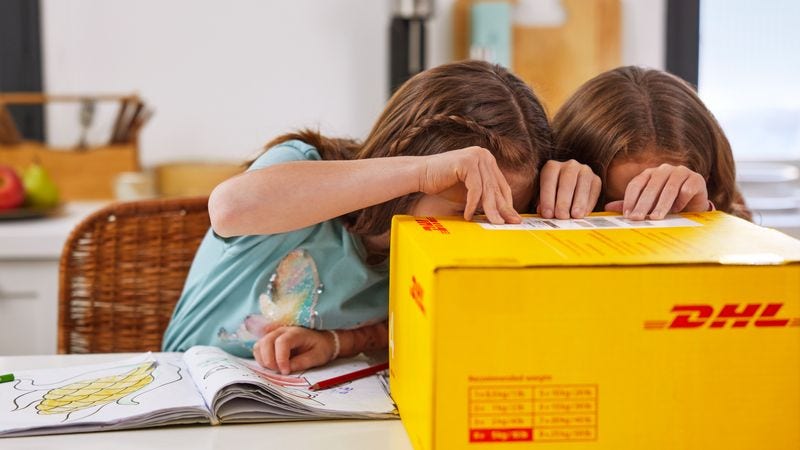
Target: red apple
<point x="12" y="192"/>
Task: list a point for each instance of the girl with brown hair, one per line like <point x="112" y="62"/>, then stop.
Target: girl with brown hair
<point x="652" y="141"/>
<point x="294" y="269"/>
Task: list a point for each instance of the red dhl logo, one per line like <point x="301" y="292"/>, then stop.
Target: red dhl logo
<point x="738" y="315"/>
<point x="431" y="224"/>
<point x="417" y="293"/>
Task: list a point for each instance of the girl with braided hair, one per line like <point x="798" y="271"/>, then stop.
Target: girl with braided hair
<point x="294" y="270"/>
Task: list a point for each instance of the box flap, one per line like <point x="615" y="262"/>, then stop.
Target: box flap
<point x="601" y="239"/>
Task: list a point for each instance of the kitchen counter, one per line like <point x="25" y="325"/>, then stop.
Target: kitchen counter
<point x="42" y="238"/>
<point x="30" y="250"/>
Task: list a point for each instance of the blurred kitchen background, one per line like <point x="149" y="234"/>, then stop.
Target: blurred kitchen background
<point x="166" y="98"/>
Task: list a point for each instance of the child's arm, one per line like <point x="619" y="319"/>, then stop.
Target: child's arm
<point x="567" y="189"/>
<point x="294" y="195"/>
<point x="661" y="190"/>
<point x="289" y="349"/>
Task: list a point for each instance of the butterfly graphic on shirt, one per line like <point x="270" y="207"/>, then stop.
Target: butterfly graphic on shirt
<point x="290" y="299"/>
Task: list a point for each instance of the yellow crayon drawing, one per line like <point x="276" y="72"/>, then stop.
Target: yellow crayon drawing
<point x="99" y="391"/>
<point x="87" y="396"/>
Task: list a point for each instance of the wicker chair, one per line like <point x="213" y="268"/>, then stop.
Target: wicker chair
<point x="121" y="272"/>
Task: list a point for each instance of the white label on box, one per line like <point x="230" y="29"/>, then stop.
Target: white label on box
<point x="592" y="223"/>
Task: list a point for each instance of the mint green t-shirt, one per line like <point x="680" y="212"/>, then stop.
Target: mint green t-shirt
<point x="314" y="277"/>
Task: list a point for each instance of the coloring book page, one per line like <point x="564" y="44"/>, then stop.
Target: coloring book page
<point x="104" y="393"/>
<point x="215" y="371"/>
<point x="205" y="384"/>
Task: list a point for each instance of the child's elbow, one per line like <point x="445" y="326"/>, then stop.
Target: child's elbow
<point x="221" y="211"/>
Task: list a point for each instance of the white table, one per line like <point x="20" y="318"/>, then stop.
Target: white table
<point x="327" y="435"/>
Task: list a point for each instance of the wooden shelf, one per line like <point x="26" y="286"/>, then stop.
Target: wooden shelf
<point x="556" y="60"/>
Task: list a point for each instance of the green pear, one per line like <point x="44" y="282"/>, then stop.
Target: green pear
<point x="40" y="191"/>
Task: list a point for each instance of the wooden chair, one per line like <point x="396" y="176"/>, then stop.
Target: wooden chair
<point x="122" y="271"/>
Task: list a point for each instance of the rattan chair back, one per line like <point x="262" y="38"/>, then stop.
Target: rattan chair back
<point x="122" y="271"/>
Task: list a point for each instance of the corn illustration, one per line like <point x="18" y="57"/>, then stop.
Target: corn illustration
<point x="95" y="392"/>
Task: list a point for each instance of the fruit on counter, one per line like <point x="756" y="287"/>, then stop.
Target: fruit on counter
<point x="12" y="192"/>
<point x="40" y="190"/>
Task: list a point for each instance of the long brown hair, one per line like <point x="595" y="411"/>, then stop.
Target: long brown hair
<point x="631" y="110"/>
<point x="449" y="107"/>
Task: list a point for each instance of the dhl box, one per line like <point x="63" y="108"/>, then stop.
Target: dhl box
<point x="595" y="334"/>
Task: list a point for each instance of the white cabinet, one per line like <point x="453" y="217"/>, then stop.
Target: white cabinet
<point x="772" y="191"/>
<point x="30" y="251"/>
<point x="28" y="307"/>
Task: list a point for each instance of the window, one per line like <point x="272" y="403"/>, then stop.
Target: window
<point x="749" y="74"/>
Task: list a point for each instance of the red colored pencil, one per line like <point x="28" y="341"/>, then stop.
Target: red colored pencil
<point x="335" y="381"/>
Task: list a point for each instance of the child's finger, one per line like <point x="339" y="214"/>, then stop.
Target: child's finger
<point x="270" y="328"/>
<point x="594" y="192"/>
<point x="506" y="210"/>
<point x="284" y="345"/>
<point x="506" y="207"/>
<point x="492" y="193"/>
<point x="490" y="207"/>
<point x="489" y="192"/>
<point x="567" y="180"/>
<point x="502" y="183"/>
<point x="473" y="185"/>
<point x="633" y="191"/>
<point x="266" y="347"/>
<point x="649" y="195"/>
<point x="548" y="183"/>
<point x="669" y="194"/>
<point x="257" y="354"/>
<point x="685" y="195"/>
<point x="693" y="195"/>
<point x="509" y="214"/>
<point x="263" y="354"/>
<point x="615" y="206"/>
<point x="587" y="190"/>
<point x="307" y="360"/>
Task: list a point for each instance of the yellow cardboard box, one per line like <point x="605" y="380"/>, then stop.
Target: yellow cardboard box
<point x="600" y="333"/>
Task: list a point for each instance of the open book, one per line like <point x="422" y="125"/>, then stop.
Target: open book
<point x="203" y="385"/>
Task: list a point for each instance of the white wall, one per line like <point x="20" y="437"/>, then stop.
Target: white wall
<point x="224" y="77"/>
<point x="644" y="33"/>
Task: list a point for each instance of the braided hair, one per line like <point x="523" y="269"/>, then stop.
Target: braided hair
<point x="441" y="122"/>
<point x="452" y="106"/>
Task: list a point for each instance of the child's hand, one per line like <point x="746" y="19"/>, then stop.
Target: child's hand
<point x="288" y="349"/>
<point x="477" y="169"/>
<point x="657" y="191"/>
<point x="567" y="189"/>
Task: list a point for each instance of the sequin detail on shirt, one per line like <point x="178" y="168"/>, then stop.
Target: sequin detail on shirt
<point x="290" y="299"/>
